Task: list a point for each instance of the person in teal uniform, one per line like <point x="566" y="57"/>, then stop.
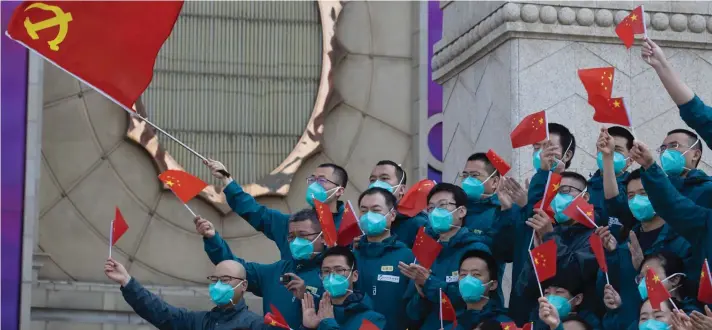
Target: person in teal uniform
<point x="326" y="185"/>
<point x="378" y="256"/>
<point x="391" y="176"/>
<point x="341" y="307"/>
<point x="554" y="154"/>
<point x="477" y="283"/>
<point x="283" y="282"/>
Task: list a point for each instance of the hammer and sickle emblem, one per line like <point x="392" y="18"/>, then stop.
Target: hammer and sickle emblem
<point x="60" y="19"/>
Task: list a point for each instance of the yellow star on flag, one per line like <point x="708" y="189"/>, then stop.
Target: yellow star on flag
<point x="541" y="121"/>
<point x="616" y="104"/>
<point x="556" y="186"/>
<point x="634" y="17"/>
<point x="610" y="77"/>
<point x="656" y="279"/>
<point x="506" y="327"/>
<point x="702" y="275"/>
<point x="169" y="183"/>
<point x="273" y="323"/>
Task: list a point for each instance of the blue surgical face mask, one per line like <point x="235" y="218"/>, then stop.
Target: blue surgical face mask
<point x="440" y="220"/>
<point x="382" y="184"/>
<point x="559" y="204"/>
<point x="315" y="190"/>
<point x="472" y="289"/>
<point x="641" y="208"/>
<point x="373" y="223"/>
<point x="562" y="305"/>
<point x="337" y="285"/>
<point x="473" y="187"/>
<point x="536" y="159"/>
<point x="619" y="162"/>
<point x="302" y="248"/>
<point x="653" y="324"/>
<point x="673" y="162"/>
<point x="221" y="293"/>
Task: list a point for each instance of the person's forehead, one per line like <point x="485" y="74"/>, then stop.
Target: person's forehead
<point x="474" y="263"/>
<point x="620" y="141"/>
<point x="677" y="137"/>
<point x="635" y="185"/>
<point x="225" y="269"/>
<point x="441" y="196"/>
<point x="380" y="170"/>
<point x="326" y="172"/>
<point x="655" y="265"/>
<point x="555" y="138"/>
<point x="373" y="200"/>
<point x="475" y="165"/>
<point x="567" y="181"/>
<point x="334" y="261"/>
<point x="301" y="226"/>
<point x="574" y="325"/>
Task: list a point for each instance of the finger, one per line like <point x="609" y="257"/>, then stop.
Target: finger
<point x="708" y="311"/>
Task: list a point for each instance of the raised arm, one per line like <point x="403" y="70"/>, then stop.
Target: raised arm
<point x="678" y="90"/>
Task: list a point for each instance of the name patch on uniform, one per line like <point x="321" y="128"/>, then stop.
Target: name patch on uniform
<point x="477" y="231"/>
<point x="312" y="289"/>
<point x="455" y="273"/>
<point x="614" y="221"/>
<point x="451" y="279"/>
<point x="386" y="268"/>
<point x="388" y="278"/>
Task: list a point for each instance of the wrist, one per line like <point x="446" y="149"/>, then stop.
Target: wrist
<point x="126" y="281"/>
<point x="227" y="180"/>
<point x="648" y="165"/>
<point x="607" y="156"/>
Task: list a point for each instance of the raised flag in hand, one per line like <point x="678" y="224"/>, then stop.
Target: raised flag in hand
<point x="119" y="227"/>
<point x="610" y="111"/>
<point x="348" y="228"/>
<point x="532" y="129"/>
<point x="597" y="81"/>
<point x="544" y="259"/>
<point x="426" y="249"/>
<point x="704" y="293"/>
<point x="498" y="162"/>
<point x="275" y="318"/>
<point x="415" y="199"/>
<point x="447" y="311"/>
<point x="631" y="25"/>
<point x="184" y="185"/>
<point x="581" y="211"/>
<point x="326" y="219"/>
<point x="656" y="290"/>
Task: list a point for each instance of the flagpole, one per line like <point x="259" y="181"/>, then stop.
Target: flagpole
<point x="535" y="273"/>
<point x="673" y="304"/>
<point x="190" y="210"/>
<point x="441" y="309"/>
<point x="111" y="237"/>
<point x="607" y="281"/>
<point x="586" y="216"/>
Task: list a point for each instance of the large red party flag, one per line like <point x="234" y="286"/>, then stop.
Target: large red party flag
<point x="368" y="325"/>
<point x="499" y="164"/>
<point x="275" y="318"/>
<point x="326" y="219"/>
<point x="656" y="290"/>
<point x="447" y="311"/>
<point x="348" y="228"/>
<point x="425" y="248"/>
<point x="597" y="81"/>
<point x="415" y="199"/>
<point x="110" y="45"/>
<point x="118" y="227"/>
<point x="631" y="25"/>
<point x="597" y="248"/>
<point x="532" y="129"/>
<point x="610" y="111"/>
<point x="544" y="258"/>
<point x="704" y="293"/>
<point x="183" y="184"/>
<point x="581" y="211"/>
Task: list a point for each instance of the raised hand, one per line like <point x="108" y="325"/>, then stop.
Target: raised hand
<point x="116" y="272"/>
<point x="605" y="143"/>
<point x="636" y="252"/>
<point x="517" y="193"/>
<point x="701" y="321"/>
<point x="204" y="227"/>
<point x="216" y="168"/>
<point x="680" y="321"/>
<point x="609" y="242"/>
<point x="296" y="285"/>
<point x="505" y="200"/>
<point x="611" y="298"/>
<point x="540" y="222"/>
<point x="652" y="54"/>
<point x="641" y="154"/>
<point x="310" y="319"/>
<point x="326" y="309"/>
<point x="548" y="156"/>
<point x="548" y="313"/>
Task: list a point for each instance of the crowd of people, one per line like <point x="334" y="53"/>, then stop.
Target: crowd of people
<point x="654" y="218"/>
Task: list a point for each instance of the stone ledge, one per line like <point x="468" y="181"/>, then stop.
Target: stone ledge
<point x="527" y="20"/>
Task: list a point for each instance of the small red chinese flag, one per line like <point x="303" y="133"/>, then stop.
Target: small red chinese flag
<point x="499" y="164"/>
<point x="425" y="248"/>
<point x="544" y="258"/>
<point x="348" y="228"/>
<point x="509" y="326"/>
<point x="118" y="227"/>
<point x="610" y="111"/>
<point x="183" y="184"/>
<point x="597" y="248"/>
<point x="704" y="293"/>
<point x="656" y="290"/>
<point x="552" y="188"/>
<point x="597" y="81"/>
<point x="581" y="211"/>
<point x="326" y="219"/>
<point x="528" y="326"/>
<point x="275" y="318"/>
<point x="447" y="312"/>
<point x="415" y="199"/>
<point x="631" y="25"/>
<point x="111" y="45"/>
<point x="368" y="325"/>
<point x="532" y="129"/>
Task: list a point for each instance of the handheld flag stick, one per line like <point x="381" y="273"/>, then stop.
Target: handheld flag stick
<point x="190" y="210"/>
<point x="586" y="216"/>
<point x="531" y="241"/>
<point x="441" y="309"/>
<point x="535" y="273"/>
<point x="111" y="237"/>
<point x="607" y="281"/>
<point x="673" y="304"/>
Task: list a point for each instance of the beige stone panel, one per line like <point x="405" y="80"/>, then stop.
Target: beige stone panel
<point x="689" y="7"/>
<point x="296" y="199"/>
<point x="614" y="55"/>
<point x="49" y="192"/>
<point x="376" y="141"/>
<point x="60" y="325"/>
<point x="473" y="75"/>
<point x="68" y="141"/>
<point x="254" y="248"/>
<point x="57" y="84"/>
<point x="575" y="113"/>
<point x="38" y="325"/>
<point x="546" y="83"/>
<point x="171" y="209"/>
<point x="354" y="27"/>
<point x="457" y="114"/>
<point x="391" y="27"/>
<point x="104" y="182"/>
<point x="695" y="71"/>
<point x="108" y="119"/>
<point x="147" y="276"/>
<point x="353" y="78"/>
<point x="531" y="51"/>
<point x="50" y="271"/>
<point x="73" y="299"/>
<point x="74" y="245"/>
<point x="390" y="93"/>
<point x="493" y="134"/>
<point x="133" y="327"/>
<point x="458" y="148"/>
<point x="352" y="192"/>
<point x="133" y="166"/>
<point x="340" y="130"/>
<point x="164" y="242"/>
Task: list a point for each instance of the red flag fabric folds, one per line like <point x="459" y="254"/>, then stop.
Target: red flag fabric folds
<point x="597" y="248"/>
<point x="610" y="111"/>
<point x="597" y="81"/>
<point x="544" y="258"/>
<point x="326" y="219"/>
<point x="415" y="199"/>
<point x="348" y="229"/>
<point x="704" y="293"/>
<point x="118" y="227"/>
<point x="448" y="311"/>
<point x="498" y="162"/>
<point x="631" y="25"/>
<point x="275" y="318"/>
<point x="656" y="290"/>
<point x="183" y="184"/>
<point x="425" y="248"/>
<point x="532" y="129"/>
<point x="581" y="211"/>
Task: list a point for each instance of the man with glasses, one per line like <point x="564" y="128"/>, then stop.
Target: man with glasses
<point x="227" y="288"/>
<point x="326" y="185"/>
<point x="391" y="176"/>
<point x="341" y="307"/>
<point x="378" y="255"/>
<point x="284" y="282"/>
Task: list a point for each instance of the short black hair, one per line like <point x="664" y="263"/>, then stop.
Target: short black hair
<point x="576" y="318"/>
<point x="575" y="176"/>
<point x="340" y="174"/>
<point x="340" y="251"/>
<point x="622" y="132"/>
<point x="458" y="194"/>
<point x="489" y="324"/>
<point x="390" y="198"/>
<point x="492" y="267"/>
<point x="305" y="215"/>
<point x="635" y="175"/>
<point x="481" y="156"/>
<point x="692" y="139"/>
<point x="566" y="138"/>
<point x="400" y="173"/>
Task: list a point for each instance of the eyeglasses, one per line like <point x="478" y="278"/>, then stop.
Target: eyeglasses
<point x="440" y="205"/>
<point x="324" y="272"/>
<point x="671" y="145"/>
<point x="225" y="279"/>
<point x="311" y="179"/>
<point x="292" y="236"/>
<point x="567" y="190"/>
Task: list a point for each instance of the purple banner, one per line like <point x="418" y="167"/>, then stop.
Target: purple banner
<point x="13" y="122"/>
<point x="435" y="91"/>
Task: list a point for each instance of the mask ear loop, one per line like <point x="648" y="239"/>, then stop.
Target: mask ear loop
<point x="314" y="240"/>
<point x="563" y="155"/>
<point x="688" y="149"/>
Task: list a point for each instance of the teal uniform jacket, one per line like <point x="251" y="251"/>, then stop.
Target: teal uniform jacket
<point x="163" y="316"/>
<point x="609" y="208"/>
<point x="380" y="279"/>
<point x="469" y="319"/>
<point x="405" y="228"/>
<point x="587" y="316"/>
<point x="271" y="222"/>
<point x="350" y="315"/>
<point x="444" y="276"/>
<point x="263" y="279"/>
<point x="699" y="117"/>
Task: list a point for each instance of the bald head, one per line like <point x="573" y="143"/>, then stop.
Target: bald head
<point x="230" y="268"/>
